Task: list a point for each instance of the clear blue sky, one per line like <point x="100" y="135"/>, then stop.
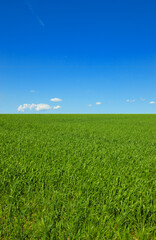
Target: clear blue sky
<point x="83" y="52"/>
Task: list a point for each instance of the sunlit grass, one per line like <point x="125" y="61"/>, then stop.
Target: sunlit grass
<point x="78" y="177"/>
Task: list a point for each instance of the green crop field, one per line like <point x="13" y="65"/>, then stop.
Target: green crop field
<point x="77" y="177"/>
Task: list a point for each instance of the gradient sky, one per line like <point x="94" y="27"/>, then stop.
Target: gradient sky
<point x="96" y="56"/>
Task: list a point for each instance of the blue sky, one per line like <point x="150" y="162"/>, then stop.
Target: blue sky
<point x="77" y="56"/>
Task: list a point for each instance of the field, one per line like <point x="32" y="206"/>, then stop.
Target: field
<point x="77" y="177"/>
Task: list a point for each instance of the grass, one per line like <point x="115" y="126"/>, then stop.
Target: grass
<point x="78" y="177"/>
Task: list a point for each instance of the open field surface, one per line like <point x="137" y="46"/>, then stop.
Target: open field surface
<point x="78" y="177"/>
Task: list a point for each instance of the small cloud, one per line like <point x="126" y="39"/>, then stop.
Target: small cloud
<point x="98" y="103"/>
<point x="57" y="107"/>
<point x="55" y="100"/>
<point x="152" y="102"/>
<point x="89" y="105"/>
<point x="130" y="101"/>
<point x="32" y="91"/>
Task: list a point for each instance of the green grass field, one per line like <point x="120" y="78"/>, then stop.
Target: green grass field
<point x="78" y="177"/>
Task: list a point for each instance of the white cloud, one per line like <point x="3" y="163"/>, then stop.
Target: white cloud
<point x="55" y="100"/>
<point x="32" y="91"/>
<point x="56" y="107"/>
<point x="152" y="102"/>
<point x="26" y="106"/>
<point x="37" y="107"/>
<point x="20" y="108"/>
<point x="130" y="101"/>
<point x="42" y="106"/>
<point x="89" y="105"/>
<point x="98" y="103"/>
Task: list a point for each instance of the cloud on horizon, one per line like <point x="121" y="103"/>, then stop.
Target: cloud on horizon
<point x="37" y="107"/>
<point x="42" y="107"/>
<point x="152" y="102"/>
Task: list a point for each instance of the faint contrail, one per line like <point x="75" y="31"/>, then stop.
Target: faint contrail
<point x="34" y="14"/>
<point x="40" y="21"/>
